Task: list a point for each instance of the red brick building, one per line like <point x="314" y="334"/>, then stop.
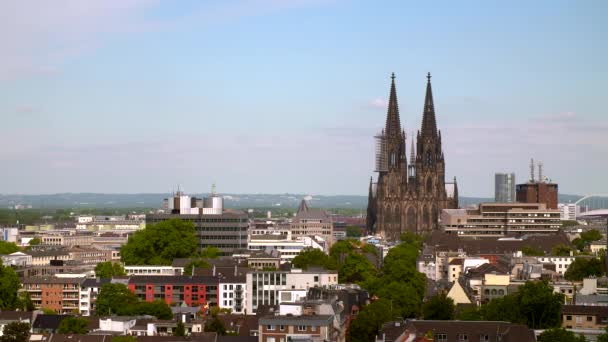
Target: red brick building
<point x="537" y="192"/>
<point x="192" y="290"/>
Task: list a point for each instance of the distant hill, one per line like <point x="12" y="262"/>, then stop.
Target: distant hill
<point x="95" y="200"/>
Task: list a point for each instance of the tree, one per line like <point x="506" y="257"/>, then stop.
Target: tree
<point x="313" y="257"/>
<point x="9" y="285"/>
<point x="539" y="305"/>
<point x="591" y="235"/>
<point x="560" y="250"/>
<point x="584" y="267"/>
<point x="355" y="268"/>
<point x="603" y="337"/>
<point x="532" y="251"/>
<point x="158" y="308"/>
<point x="579" y="244"/>
<point x="440" y="307"/>
<point x="114" y="299"/>
<point x="48" y="311"/>
<point x="8" y="247"/>
<point x="109" y="269"/>
<point x="73" y="325"/>
<point x="25" y="302"/>
<point x="180" y="329"/>
<point x="369" y="321"/>
<point x="560" y="335"/>
<point x="215" y="325"/>
<point x="15" y="332"/>
<point x="35" y="241"/>
<point x="353" y="232"/>
<point x="210" y="252"/>
<point x="160" y="243"/>
<point x="196" y="263"/>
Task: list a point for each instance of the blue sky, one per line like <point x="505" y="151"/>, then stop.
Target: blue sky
<point x="284" y="96"/>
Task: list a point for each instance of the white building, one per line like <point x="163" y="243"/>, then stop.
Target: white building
<point x="10" y="234"/>
<point x="283" y="244"/>
<point x="561" y="262"/>
<point x="89" y="290"/>
<point x="154" y="270"/>
<point x="232" y="293"/>
<point x="568" y="211"/>
<point x="264" y="287"/>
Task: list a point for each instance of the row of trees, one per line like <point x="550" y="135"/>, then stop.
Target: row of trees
<point x="117" y="299"/>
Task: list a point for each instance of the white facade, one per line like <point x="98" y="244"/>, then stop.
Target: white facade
<point x="569" y="211"/>
<point x="232" y="295"/>
<point x="561" y="262"/>
<point x="287" y="248"/>
<point x="151" y="270"/>
<point x="264" y="287"/>
<point x="10" y="234"/>
<point x="18" y="259"/>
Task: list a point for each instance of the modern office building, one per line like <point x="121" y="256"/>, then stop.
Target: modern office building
<point x="499" y="219"/>
<point x="215" y="226"/>
<point x="264" y="286"/>
<point x="569" y="211"/>
<point x="504" y="187"/>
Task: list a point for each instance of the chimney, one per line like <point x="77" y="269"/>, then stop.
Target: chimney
<point x="540" y="172"/>
<point x="214" y="270"/>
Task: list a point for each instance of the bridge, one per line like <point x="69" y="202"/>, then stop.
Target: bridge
<point x="595" y="205"/>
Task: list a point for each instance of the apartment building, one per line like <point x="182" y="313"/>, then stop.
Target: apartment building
<point x="232" y="293"/>
<point x="584" y="317"/>
<point x="264" y="286"/>
<point x="188" y="290"/>
<point x="59" y="294"/>
<point x="295" y="328"/>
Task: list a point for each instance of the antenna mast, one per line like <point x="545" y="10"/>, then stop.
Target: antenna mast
<point x="532" y="170"/>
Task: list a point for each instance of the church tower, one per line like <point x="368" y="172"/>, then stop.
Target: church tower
<point x="409" y="197"/>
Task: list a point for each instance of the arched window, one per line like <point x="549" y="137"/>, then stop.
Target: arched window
<point x="501" y="292"/>
<point x="411" y="220"/>
<point x="493" y="292"/>
<point x="425" y="216"/>
<point x="393" y="159"/>
<point x="429" y="185"/>
<point x="486" y="292"/>
<point x="429" y="158"/>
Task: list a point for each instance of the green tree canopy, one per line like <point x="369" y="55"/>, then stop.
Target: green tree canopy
<point x="35" y="241"/>
<point x="9" y="285"/>
<point x="210" y="252"/>
<point x="214" y="324"/>
<point x="15" y="332"/>
<point x="114" y="299"/>
<point x="440" y="307"/>
<point x="109" y="269"/>
<point x="313" y="257"/>
<point x="160" y="243"/>
<point x="603" y="337"/>
<point x="532" y="251"/>
<point x="591" y="235"/>
<point x="365" y="326"/>
<point x="117" y="299"/>
<point x="195" y="263"/>
<point x="534" y="304"/>
<point x="73" y="325"/>
<point x="180" y="329"/>
<point x="353" y="231"/>
<point x="560" y="250"/>
<point x="560" y="335"/>
<point x="584" y="267"/>
<point x="8" y="247"/>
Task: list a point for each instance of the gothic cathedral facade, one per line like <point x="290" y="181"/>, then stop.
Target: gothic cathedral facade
<point x="409" y="197"/>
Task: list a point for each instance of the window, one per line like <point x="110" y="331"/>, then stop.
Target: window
<point x="568" y="318"/>
<point x="589" y="318"/>
<point x="301" y="328"/>
<point x="579" y="319"/>
<point x="441" y="337"/>
<point x="270" y="327"/>
<point x="484" y="337"/>
<point x="316" y="278"/>
<point x="463" y="337"/>
<point x="281" y="327"/>
<point x="270" y="339"/>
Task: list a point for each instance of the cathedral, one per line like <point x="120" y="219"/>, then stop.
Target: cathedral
<point x="409" y="195"/>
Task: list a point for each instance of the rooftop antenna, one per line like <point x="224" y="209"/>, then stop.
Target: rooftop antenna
<point x="540" y="172"/>
<point x="213" y="189"/>
<point x="532" y="170"/>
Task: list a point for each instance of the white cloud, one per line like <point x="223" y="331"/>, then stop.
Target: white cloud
<point x="378" y="102"/>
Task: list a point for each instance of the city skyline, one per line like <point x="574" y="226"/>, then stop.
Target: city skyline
<point x="273" y="97"/>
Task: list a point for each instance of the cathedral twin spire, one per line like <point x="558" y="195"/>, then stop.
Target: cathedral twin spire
<point x="393" y="122"/>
